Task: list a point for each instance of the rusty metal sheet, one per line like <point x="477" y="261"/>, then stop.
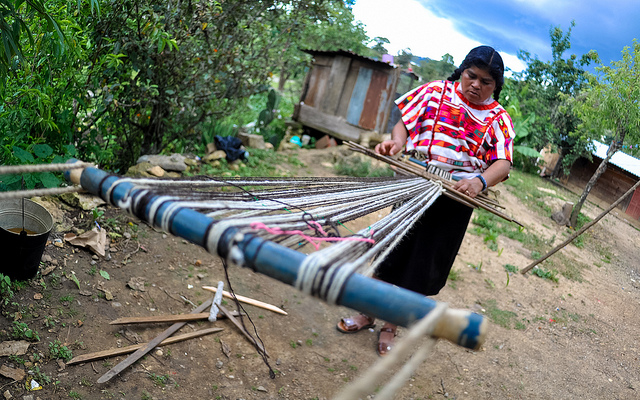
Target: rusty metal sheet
<point x="358" y="96"/>
<point x="371" y="108"/>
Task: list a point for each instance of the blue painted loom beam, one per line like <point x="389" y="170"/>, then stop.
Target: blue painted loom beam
<point x="367" y="295"/>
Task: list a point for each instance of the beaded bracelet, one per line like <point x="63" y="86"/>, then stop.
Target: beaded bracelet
<point x="484" y="182"/>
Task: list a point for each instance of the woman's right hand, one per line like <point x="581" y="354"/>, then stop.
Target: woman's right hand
<point x="388" y="147"/>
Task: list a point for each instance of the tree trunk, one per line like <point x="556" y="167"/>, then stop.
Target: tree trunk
<point x="615" y="145"/>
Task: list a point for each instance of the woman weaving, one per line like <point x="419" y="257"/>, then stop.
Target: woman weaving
<point x="461" y="128"/>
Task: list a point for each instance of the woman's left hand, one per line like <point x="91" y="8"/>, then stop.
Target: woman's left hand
<point x="471" y="187"/>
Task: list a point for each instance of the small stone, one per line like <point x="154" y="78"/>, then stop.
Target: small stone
<point x="156" y="171"/>
<point x="7" y="395"/>
<point x="261" y="389"/>
<point x="95" y="257"/>
<point x="200" y="276"/>
<point x="159" y="353"/>
<point x="46" y="258"/>
<point x="219" y="364"/>
<point x="278" y="361"/>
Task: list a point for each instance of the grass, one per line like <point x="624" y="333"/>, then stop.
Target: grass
<point x="360" y="167"/>
<point x="551" y="275"/>
<point x="499" y="317"/>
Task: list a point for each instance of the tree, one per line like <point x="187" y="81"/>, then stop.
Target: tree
<point x="404" y="58"/>
<point x="611" y="104"/>
<point x="546" y="90"/>
<point x="378" y="46"/>
<point x="326" y="26"/>
<point x="431" y="70"/>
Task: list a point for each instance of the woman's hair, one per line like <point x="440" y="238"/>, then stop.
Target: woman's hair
<point x="487" y="58"/>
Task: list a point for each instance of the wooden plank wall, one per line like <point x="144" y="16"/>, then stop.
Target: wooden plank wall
<point x="335" y="84"/>
<point x="612" y="184"/>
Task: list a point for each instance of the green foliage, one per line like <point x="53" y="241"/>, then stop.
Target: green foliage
<point x="546" y="92"/>
<point x="546" y="274"/>
<point x="21" y="331"/>
<point x="159" y="380"/>
<point x="431" y="70"/>
<point x="360" y="167"/>
<point x="511" y="268"/>
<point x="132" y="78"/>
<point x="58" y="351"/>
<point x="6" y="290"/>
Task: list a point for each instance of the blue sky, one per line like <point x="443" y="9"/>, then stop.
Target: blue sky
<point x="431" y="28"/>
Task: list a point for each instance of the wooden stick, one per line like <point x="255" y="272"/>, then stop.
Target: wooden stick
<point x="130" y="349"/>
<point x="166" y="318"/>
<point x="448" y="186"/>
<point x="244" y="332"/>
<point x="149" y="346"/>
<point x="247" y="300"/>
<point x="581" y="231"/>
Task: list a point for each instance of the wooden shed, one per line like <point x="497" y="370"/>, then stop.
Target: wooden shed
<point x="347" y="96"/>
<point x="622" y="172"/>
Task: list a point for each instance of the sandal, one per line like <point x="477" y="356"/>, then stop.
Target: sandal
<point x="385" y="339"/>
<point x="355" y="324"/>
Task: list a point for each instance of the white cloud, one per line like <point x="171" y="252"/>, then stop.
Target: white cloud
<point x="409" y="25"/>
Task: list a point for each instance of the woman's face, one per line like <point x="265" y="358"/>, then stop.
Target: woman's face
<point x="477" y="84"/>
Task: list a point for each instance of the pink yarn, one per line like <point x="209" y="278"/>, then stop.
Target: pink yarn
<point x="314" y="240"/>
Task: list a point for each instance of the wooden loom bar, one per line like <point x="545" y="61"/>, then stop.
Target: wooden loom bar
<point x="388" y="302"/>
<point x="481" y="202"/>
<point x="149" y="346"/>
<point x="130" y="349"/>
<point x="166" y="318"/>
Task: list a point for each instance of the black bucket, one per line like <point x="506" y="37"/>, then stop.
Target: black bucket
<point x="21" y="252"/>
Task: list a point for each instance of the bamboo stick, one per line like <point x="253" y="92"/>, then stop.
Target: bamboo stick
<point x="130" y="349"/>
<point x="248" y="300"/>
<point x="480" y="201"/>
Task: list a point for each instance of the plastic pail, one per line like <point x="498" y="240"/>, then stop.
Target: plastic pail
<point x="21" y="253"/>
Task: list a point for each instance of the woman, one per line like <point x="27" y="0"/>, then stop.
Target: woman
<point x="459" y="128"/>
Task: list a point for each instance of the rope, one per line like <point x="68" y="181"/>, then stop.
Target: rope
<point x="26" y="169"/>
<point x="19" y="194"/>
<point x="372" y="378"/>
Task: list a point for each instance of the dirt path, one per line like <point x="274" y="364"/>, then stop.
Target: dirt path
<point x="564" y="340"/>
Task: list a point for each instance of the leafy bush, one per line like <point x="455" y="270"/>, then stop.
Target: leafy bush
<point x="22" y="331"/>
<point x="58" y="351"/>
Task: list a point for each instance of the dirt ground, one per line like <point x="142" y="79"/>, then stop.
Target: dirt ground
<point x="574" y="339"/>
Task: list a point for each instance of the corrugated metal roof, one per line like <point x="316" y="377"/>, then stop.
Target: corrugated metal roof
<point x="620" y="159"/>
<point x="347" y="54"/>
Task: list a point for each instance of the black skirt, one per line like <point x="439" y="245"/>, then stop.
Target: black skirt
<point x="422" y="260"/>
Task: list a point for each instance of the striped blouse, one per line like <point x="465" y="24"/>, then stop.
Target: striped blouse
<point x="454" y="134"/>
